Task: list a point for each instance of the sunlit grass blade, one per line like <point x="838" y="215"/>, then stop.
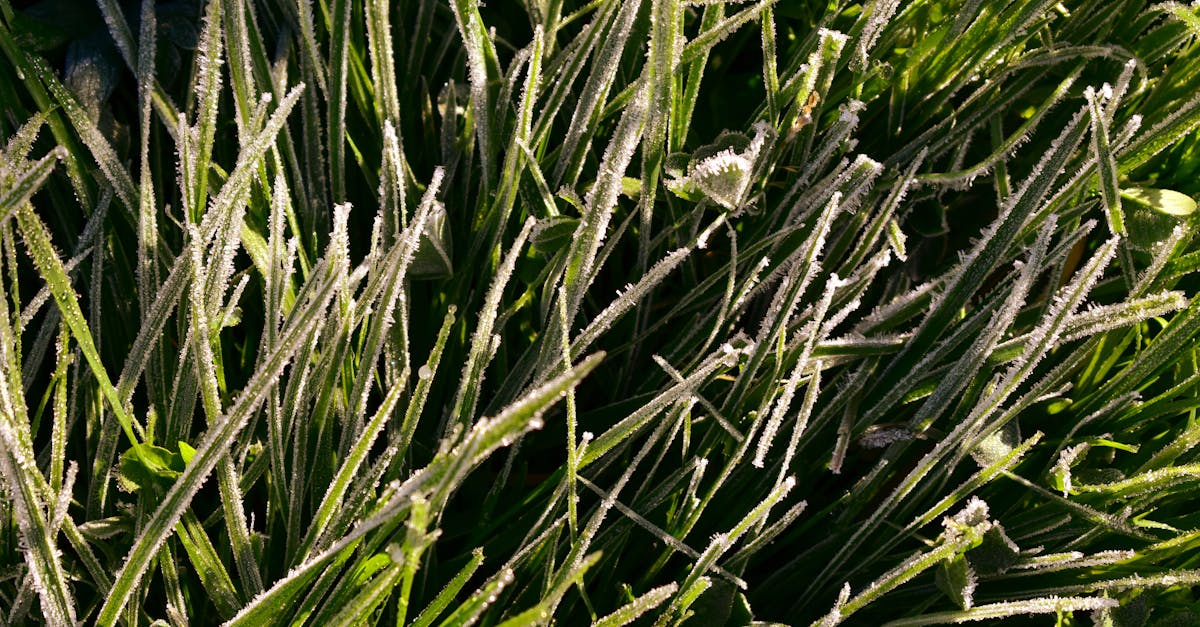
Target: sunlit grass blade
<point x="720" y="30"/>
<point x="451" y="590"/>
<point x="481" y="61"/>
<point x="17" y="467"/>
<point x="635" y="608"/>
<point x="481" y="340"/>
<point x="37" y="239"/>
<point x="995" y="611"/>
<point x="208" y="92"/>
<point x="1106" y="163"/>
<point x="350" y="466"/>
<point x="963" y="530"/>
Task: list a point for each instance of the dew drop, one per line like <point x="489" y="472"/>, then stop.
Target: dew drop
<point x="425" y="373"/>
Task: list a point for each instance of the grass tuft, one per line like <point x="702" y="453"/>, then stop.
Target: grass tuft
<point x="599" y="312"/>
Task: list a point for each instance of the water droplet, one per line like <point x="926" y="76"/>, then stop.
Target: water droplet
<point x="425" y="373"/>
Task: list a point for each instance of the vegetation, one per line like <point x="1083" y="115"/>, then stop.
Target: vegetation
<point x="655" y="311"/>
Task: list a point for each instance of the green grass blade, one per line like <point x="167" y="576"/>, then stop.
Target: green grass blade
<point x="449" y="592"/>
<point x="1106" y="164"/>
<point x="466" y="398"/>
<point x="19" y="469"/>
<point x="208" y="94"/>
<point x="995" y="611"/>
<point x="212" y="572"/>
<point x="337" y="489"/>
<point x="37" y="239"/>
<point x="644" y="603"/>
<point x="27" y="183"/>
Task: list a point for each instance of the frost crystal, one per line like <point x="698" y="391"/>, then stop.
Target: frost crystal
<point x="725" y="176"/>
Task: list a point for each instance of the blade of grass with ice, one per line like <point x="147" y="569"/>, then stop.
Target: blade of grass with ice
<point x="994" y="611"/>
<point x="37" y="239"/>
<point x="451" y="590"/>
<point x="628" y="613"/>
<point x="27" y="183"/>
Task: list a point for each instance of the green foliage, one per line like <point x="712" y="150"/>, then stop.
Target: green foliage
<point x="625" y="311"/>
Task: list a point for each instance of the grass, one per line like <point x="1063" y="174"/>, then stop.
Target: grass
<point x="611" y="312"/>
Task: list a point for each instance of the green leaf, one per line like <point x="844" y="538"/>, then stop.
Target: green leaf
<point x="956" y="579"/>
<point x="995" y="554"/>
<point x="552" y="234"/>
<point x="1164" y="201"/>
<point x="433" y="257"/>
<point x="185" y="452"/>
<point x="147" y="466"/>
<point x="1154" y="213"/>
